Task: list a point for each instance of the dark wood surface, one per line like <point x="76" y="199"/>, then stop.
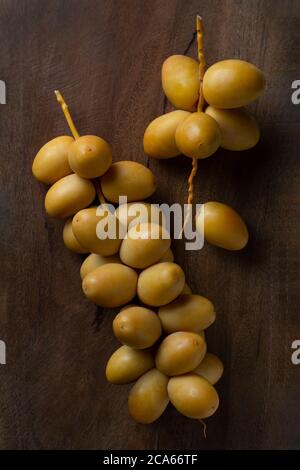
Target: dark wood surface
<point x="106" y="56"/>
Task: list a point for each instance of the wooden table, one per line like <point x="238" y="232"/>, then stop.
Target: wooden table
<point x="106" y="56"/>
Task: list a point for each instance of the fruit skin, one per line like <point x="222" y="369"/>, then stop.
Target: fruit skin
<point x="126" y="365"/>
<point x="211" y="368"/>
<point x="135" y="213"/>
<point x="180" y="81"/>
<point x="69" y="195"/>
<point x="202" y="334"/>
<point x="51" y="162"/>
<point x="70" y="240"/>
<point x="128" y="306"/>
<point x="239" y="130"/>
<point x="232" y="83"/>
<point x="187" y="313"/>
<point x="198" y="136"/>
<point x="159" y="138"/>
<point x="143" y="251"/>
<point x="148" y="398"/>
<point x="193" y="396"/>
<point x="84" y="227"/>
<point x="168" y="257"/>
<point x="89" y="156"/>
<point x="94" y="261"/>
<point x="137" y="327"/>
<point x="130" y="179"/>
<point x="160" y="284"/>
<point x="111" y="285"/>
<point x="223" y="226"/>
<point x="186" y="289"/>
<point x="180" y="352"/>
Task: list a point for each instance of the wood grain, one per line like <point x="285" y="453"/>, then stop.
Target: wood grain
<point x="105" y="56"/>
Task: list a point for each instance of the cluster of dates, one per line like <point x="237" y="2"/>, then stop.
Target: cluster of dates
<point x="228" y="85"/>
<point x="164" y="349"/>
<point x="210" y="115"/>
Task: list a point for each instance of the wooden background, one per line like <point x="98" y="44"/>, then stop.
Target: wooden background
<point x="105" y="56"/>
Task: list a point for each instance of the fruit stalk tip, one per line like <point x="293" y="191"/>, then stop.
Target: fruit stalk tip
<point x="67" y="114"/>
<point x="60" y="98"/>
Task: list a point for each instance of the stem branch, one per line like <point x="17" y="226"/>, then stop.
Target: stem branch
<point x="201" y="59"/>
<point x="67" y="114"/>
<point x="202" y="63"/>
<point x="99" y="192"/>
<point x="204" y="427"/>
<point x="76" y="135"/>
<point x="191" y="181"/>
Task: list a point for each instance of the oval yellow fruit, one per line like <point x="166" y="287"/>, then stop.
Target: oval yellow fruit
<point x="159" y="137"/>
<point x="148" y="398"/>
<point x="126" y="365"/>
<point x="198" y="136"/>
<point x="223" y="226"/>
<point x="160" y="284"/>
<point x="127" y="178"/>
<point x="93" y="261"/>
<point x="211" y="368"/>
<point x="85" y="229"/>
<point x="89" y="156"/>
<point x="144" y="245"/>
<point x="187" y="313"/>
<point x="135" y="213"/>
<point x="180" y="352"/>
<point x="70" y="240"/>
<point x="232" y="83"/>
<point x="51" y="162"/>
<point x="137" y="327"/>
<point x="180" y="81"/>
<point x="68" y="196"/>
<point x="111" y="285"/>
<point x="239" y="130"/>
<point x="193" y="396"/>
